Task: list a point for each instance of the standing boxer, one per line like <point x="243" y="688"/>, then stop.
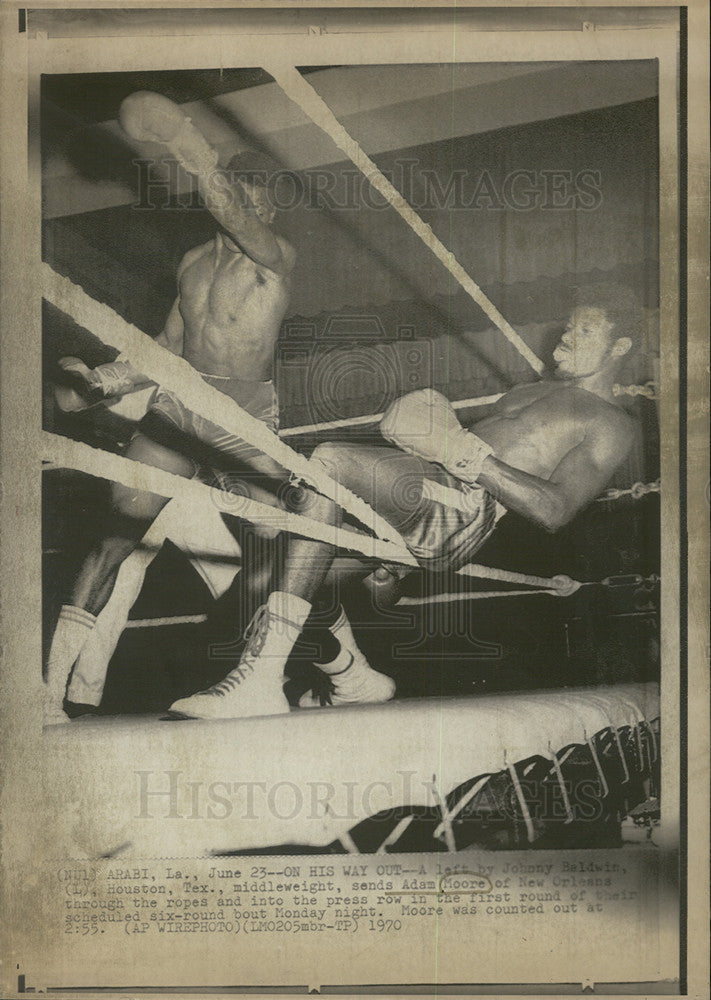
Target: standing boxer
<point x="232" y="296"/>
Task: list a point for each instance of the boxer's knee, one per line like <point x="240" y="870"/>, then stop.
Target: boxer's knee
<point x="331" y="456"/>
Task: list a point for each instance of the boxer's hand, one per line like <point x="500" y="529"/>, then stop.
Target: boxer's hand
<point x="420" y="424"/>
<point x="79" y="391"/>
<point x="115" y="378"/>
<point x="424" y="423"/>
<point x="149" y="117"/>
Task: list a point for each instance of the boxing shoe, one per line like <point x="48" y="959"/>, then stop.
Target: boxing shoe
<point x="149" y="117"/>
<point x="255" y="686"/>
<point x="352" y="680"/>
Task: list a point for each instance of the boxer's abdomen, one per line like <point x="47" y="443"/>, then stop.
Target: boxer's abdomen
<point x="232" y="310"/>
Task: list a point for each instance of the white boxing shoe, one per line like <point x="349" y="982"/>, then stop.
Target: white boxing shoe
<point x="255" y="686"/>
<point x="352" y="680"/>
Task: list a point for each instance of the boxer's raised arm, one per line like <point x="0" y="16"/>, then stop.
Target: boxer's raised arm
<point x="149" y="117"/>
<point x="231" y="206"/>
<point x="577" y="479"/>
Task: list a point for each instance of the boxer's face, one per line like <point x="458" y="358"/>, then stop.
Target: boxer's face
<point x="586" y="344"/>
<point x="260" y="199"/>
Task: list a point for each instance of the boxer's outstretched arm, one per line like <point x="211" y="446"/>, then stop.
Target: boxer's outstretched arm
<point x="232" y="208"/>
<point x="116" y="378"/>
<point x="579" y="477"/>
<point x="150" y="117"/>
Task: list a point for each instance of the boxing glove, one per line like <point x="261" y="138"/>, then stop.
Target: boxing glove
<point x="424" y="423"/>
<point x="149" y="117"/>
<point x="115" y="378"/>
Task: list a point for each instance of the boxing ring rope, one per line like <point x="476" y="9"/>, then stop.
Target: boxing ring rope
<point x="177" y="375"/>
<point x="650" y="390"/>
<point x="65" y="453"/>
<point x="160" y="622"/>
<point x="647" y="390"/>
<point x="636" y="491"/>
<point x="375" y="418"/>
<point x="76" y="455"/>
<point x="558" y="583"/>
<point x="474" y="595"/>
<point x="298" y="90"/>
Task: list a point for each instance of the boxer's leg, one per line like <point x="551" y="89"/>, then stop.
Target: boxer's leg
<point x="214" y="553"/>
<point x="132" y="512"/>
<point x="392" y="483"/>
<point x="386" y="478"/>
<point x="89" y="675"/>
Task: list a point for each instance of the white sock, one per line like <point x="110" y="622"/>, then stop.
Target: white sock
<point x="341" y="631"/>
<point x="86" y="686"/>
<point x="344" y="661"/>
<point x="72" y="631"/>
<point x="353" y="680"/>
<point x="294" y="609"/>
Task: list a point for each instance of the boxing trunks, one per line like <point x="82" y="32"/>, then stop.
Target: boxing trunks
<point x="451" y="522"/>
<point x="169" y="422"/>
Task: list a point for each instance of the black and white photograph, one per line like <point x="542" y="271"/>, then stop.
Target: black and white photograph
<point x="354" y="422"/>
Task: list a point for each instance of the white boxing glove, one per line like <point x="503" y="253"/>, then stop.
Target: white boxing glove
<point x="149" y="117"/>
<point x="424" y="423"/>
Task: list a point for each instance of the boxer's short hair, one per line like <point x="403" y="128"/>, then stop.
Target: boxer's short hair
<point x="255" y="168"/>
<point x="621" y="306"/>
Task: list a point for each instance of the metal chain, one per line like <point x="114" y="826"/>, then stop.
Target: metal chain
<point x="636" y="491"/>
<point x="628" y="580"/>
<point x="648" y="390"/>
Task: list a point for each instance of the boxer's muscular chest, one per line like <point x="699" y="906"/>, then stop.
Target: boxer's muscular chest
<point x="222" y="292"/>
<point x="534" y="426"/>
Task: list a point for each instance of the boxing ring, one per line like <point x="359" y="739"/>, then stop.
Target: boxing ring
<point x="510" y="770"/>
<point x="524" y="770"/>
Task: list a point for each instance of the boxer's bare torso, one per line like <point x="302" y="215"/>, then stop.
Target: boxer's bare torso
<point x="232" y="308"/>
<point x="534" y="426"/>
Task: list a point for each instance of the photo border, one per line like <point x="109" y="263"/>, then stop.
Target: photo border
<point x="690" y="303"/>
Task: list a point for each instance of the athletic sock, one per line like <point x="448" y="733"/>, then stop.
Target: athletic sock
<point x="73" y="628"/>
<point x="342" y="646"/>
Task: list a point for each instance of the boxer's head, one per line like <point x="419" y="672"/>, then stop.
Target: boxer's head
<point x="603" y="328"/>
<point x="257" y="173"/>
